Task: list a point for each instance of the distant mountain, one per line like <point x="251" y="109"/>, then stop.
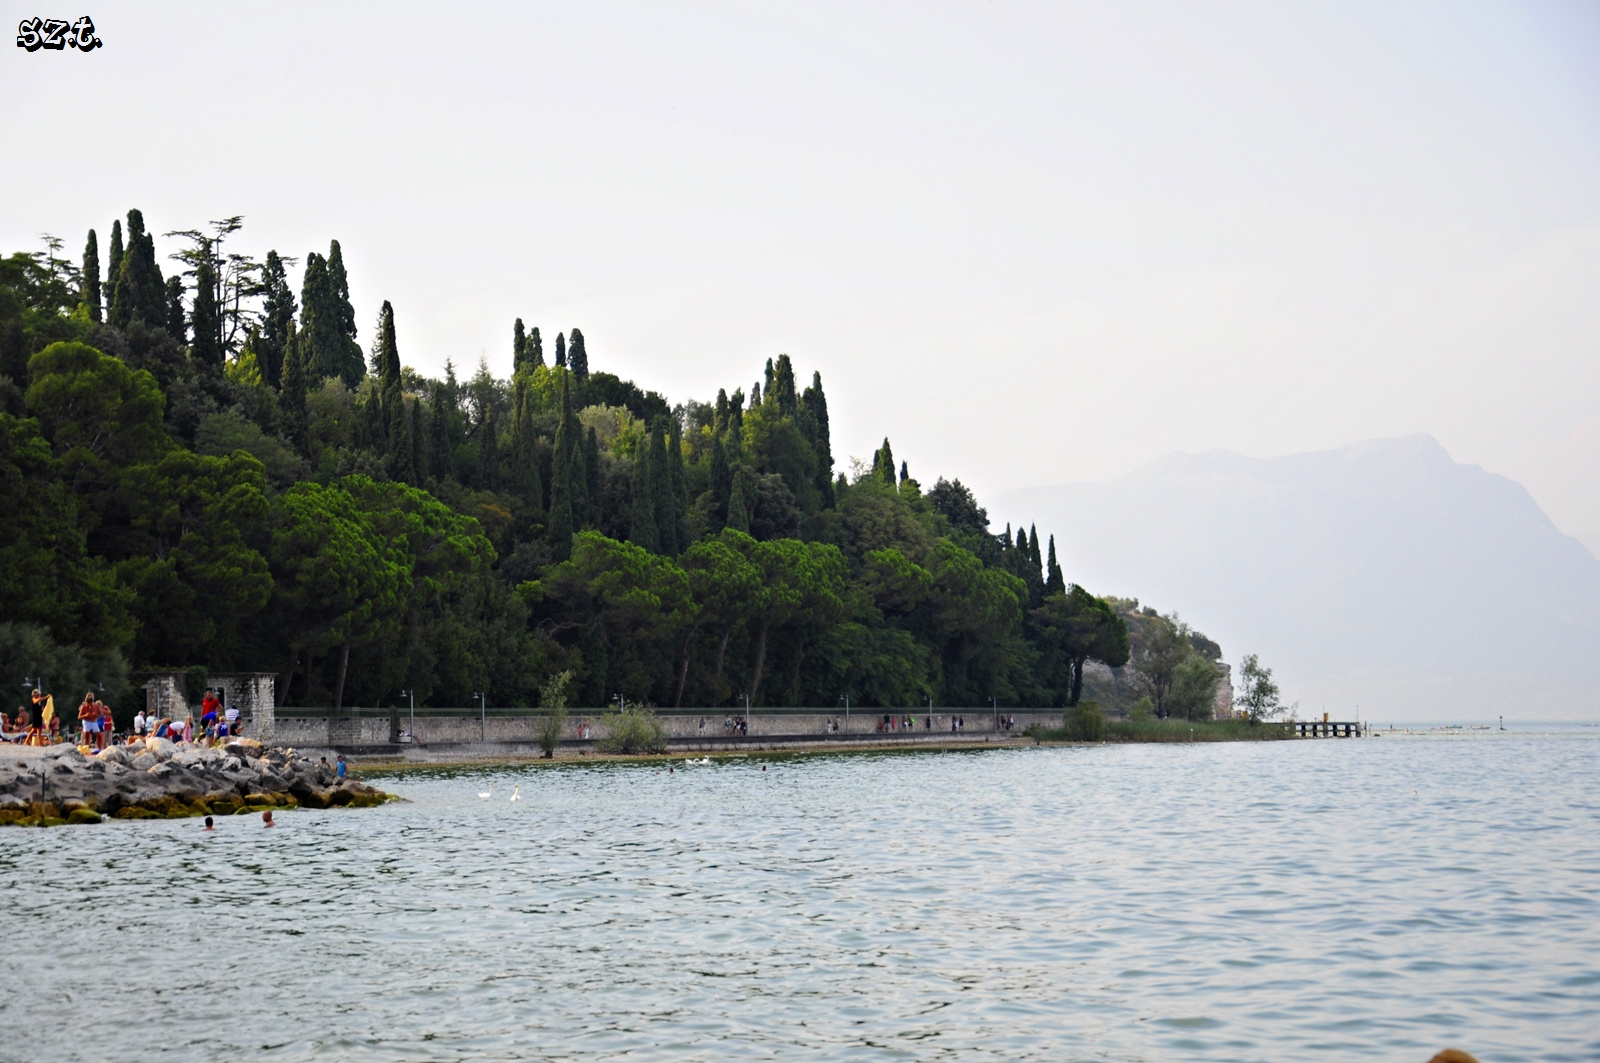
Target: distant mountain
<point x="1383" y="575"/>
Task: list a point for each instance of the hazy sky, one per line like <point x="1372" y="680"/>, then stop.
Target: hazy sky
<point x="1029" y="243"/>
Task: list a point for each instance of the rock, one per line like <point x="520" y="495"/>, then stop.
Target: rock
<point x="83" y="815"/>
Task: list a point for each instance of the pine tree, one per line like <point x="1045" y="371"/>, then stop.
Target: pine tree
<point x="175" y="324"/>
<point x="1054" y="582"/>
<point x="277" y="318"/>
<point x="534" y="351"/>
<point x="113" y="269"/>
<point x="577" y="357"/>
<point x="91" y="276"/>
<point x="388" y="349"/>
<point x="738" y="512"/>
<point x="561" y="349"/>
<point x="292" y="396"/>
<point x="559" y="524"/>
<point x="207" y="346"/>
<point x="721" y="481"/>
<point x="642" y="530"/>
<point x="813" y="422"/>
<point x="519" y="343"/>
<point x="661" y="488"/>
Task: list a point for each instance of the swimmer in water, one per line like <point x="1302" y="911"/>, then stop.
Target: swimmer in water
<point x="266" y="820"/>
<point x="209" y="825"/>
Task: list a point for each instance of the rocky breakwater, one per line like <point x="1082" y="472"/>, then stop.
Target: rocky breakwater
<point x="161" y="780"/>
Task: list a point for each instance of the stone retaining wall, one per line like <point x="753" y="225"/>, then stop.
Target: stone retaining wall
<point x="367" y="732"/>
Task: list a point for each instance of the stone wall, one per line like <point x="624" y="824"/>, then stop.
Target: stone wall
<point x="253" y="692"/>
<point x="369" y="732"/>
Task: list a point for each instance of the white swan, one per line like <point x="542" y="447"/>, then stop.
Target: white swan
<point x="516" y="793"/>
<point x="490" y="792"/>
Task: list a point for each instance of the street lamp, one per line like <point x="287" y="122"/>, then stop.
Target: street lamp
<point x="846" y="700"/>
<point x="412" y="694"/>
<point x="746" y="715"/>
<point x="483" y="717"/>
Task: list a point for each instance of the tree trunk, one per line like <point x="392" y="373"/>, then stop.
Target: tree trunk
<point x="761" y="659"/>
<point x="722" y="648"/>
<point x="683" y="669"/>
<point x="338" y="684"/>
<point x="1077" y="682"/>
<point x="288" y="677"/>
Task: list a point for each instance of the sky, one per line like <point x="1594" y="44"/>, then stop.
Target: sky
<point x="1028" y="243"/>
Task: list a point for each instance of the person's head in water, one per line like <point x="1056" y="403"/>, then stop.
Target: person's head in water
<point x="209" y="825"/>
<point x="266" y="818"/>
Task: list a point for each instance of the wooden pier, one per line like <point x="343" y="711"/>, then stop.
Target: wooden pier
<point x="1325" y="729"/>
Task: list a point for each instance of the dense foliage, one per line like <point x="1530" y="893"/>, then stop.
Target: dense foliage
<point x="205" y="469"/>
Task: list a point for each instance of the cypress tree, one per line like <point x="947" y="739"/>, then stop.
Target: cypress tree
<point x="175" y="326"/>
<point x="91" y="276"/>
<point x="1033" y="547"/>
<point x="207" y="347"/>
<point x="559" y="523"/>
<point x="139" y="292"/>
<point x="561" y="349"/>
<point x="738" y="512"/>
<point x="582" y="508"/>
<point x="755" y="395"/>
<point x="814" y="423"/>
<point x="905" y="474"/>
<point x="577" y="357"/>
<point x="1005" y="540"/>
<point x="591" y="470"/>
<point x="719" y="420"/>
<point x="402" y="447"/>
<point x="768" y="378"/>
<point x="642" y="531"/>
<point x="277" y="318"/>
<point x="680" y="485"/>
<point x="721" y="481"/>
<point x="388" y="349"/>
<point x="1022" y="541"/>
<point x="345" y="358"/>
<point x="441" y="462"/>
<point x="534" y="351"/>
<point x="419" y="453"/>
<point x="883" y="463"/>
<point x="519" y="343"/>
<point x="524" y="451"/>
<point x="489" y="451"/>
<point x="781" y="387"/>
<point x="1054" y="583"/>
<point x="314" y="326"/>
<point x="661" y="488"/>
<point x="292" y="396"/>
<point x="113" y="269"/>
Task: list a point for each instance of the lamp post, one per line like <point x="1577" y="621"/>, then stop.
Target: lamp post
<point x="846" y="700"/>
<point x="483" y="717"/>
<point x="747" y="715"/>
<point x="994" y="703"/>
<point x="412" y="694"/>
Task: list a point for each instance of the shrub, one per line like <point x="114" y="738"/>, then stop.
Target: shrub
<point x="553" y="699"/>
<point x="1086" y="722"/>
<point x="633" y="731"/>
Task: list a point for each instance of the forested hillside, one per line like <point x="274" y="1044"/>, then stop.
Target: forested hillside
<point x="200" y="465"/>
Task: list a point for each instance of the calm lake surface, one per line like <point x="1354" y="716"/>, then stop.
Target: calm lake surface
<point x="1330" y="900"/>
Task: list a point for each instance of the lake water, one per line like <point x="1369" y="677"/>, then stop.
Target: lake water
<point x="1329" y="900"/>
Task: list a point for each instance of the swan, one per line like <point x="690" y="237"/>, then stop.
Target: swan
<point x="489" y="793"/>
<point x="516" y="793"/>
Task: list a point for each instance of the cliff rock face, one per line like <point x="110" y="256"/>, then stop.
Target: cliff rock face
<point x="1383" y="575"/>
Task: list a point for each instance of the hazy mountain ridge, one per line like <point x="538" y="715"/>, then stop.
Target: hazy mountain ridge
<point x="1383" y="573"/>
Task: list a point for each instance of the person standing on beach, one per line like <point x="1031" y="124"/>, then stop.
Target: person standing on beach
<point x="231" y="714"/>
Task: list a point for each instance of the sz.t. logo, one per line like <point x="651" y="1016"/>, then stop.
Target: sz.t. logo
<point x="57" y="34"/>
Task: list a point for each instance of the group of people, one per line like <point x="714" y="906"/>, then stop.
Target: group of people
<point x="35" y="724"/>
<point x="735" y="725"/>
<point x="38" y="723"/>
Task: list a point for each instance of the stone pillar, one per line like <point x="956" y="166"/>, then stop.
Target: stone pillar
<point x="261" y="695"/>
